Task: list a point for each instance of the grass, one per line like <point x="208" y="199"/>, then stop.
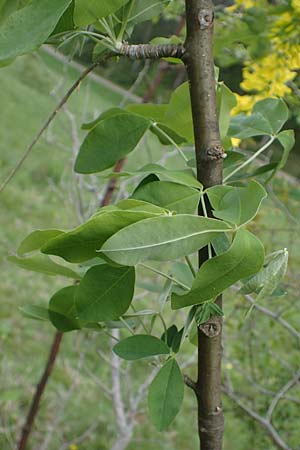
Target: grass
<point x="42" y="196"/>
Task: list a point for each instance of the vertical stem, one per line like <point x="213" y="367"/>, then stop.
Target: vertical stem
<point x="209" y="155"/>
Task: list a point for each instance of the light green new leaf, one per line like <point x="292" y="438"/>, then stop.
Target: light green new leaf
<point x="80" y="244"/>
<point x="88" y="11"/>
<point x="108" y="142"/>
<point x="169" y="195"/>
<point x="166" y="395"/>
<point x="35" y="240"/>
<point x="28" y="28"/>
<point x="226" y="100"/>
<point x="105" y="293"/>
<point x="266" y="281"/>
<point x="43" y="264"/>
<point x="179" y="115"/>
<point x="35" y="312"/>
<point x="140" y="346"/>
<point x="245" y="257"/>
<point x="237" y="205"/>
<point x="62" y="311"/>
<point x="162" y="238"/>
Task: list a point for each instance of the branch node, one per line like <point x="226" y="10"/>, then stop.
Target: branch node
<point x="216" y="152"/>
<point x="205" y="18"/>
<point x="212" y="328"/>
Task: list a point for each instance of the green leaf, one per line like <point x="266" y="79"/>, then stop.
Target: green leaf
<point x="146" y="9"/>
<point x="179" y="115"/>
<point x="104" y="115"/>
<point x="133" y="204"/>
<point x="267" y="118"/>
<point x="185" y="176"/>
<point x="151" y="111"/>
<point x="169" y="195"/>
<point x="28" y="28"/>
<point x="226" y="100"/>
<point x="274" y="110"/>
<point x="237" y="205"/>
<point x="35" y="240"/>
<point x="88" y="11"/>
<point x="35" y="312"/>
<point x="245" y="257"/>
<point x="66" y="22"/>
<point x="105" y="293"/>
<point x="140" y="346"/>
<point x="166" y="395"/>
<point x="162" y="238"/>
<point x="108" y="142"/>
<point x="168" y="336"/>
<point x="243" y="127"/>
<point x="62" y="311"/>
<point x="173" y="338"/>
<point x="157" y="113"/>
<point x="43" y="264"/>
<point x="81" y="243"/>
<point x="287" y="140"/>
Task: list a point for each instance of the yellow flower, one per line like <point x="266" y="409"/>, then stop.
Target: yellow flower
<point x="235" y="142"/>
<point x="296" y="5"/>
<point x="73" y="447"/>
<point x="244" y="104"/>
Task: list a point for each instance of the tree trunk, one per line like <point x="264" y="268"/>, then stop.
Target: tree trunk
<point x="209" y="155"/>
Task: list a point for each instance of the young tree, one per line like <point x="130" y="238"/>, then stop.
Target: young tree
<point x="158" y="222"/>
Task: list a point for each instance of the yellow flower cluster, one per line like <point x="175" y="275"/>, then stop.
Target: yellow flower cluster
<point x="296" y="5"/>
<point x="270" y="76"/>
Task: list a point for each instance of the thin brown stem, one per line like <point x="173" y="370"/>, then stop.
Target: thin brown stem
<point x="52" y="116"/>
<point x="198" y="58"/>
<point x="39" y="391"/>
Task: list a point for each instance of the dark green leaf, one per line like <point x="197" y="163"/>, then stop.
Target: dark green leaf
<point x="166" y="395"/>
<point x="62" y="311"/>
<point x="105" y="293"/>
<point x="140" y="346"/>
<point x="245" y="257"/>
<point x="169" y="195"/>
<point x="88" y="11"/>
<point x="111" y="140"/>
<point x="28" y="28"/>
<point x="81" y="243"/>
